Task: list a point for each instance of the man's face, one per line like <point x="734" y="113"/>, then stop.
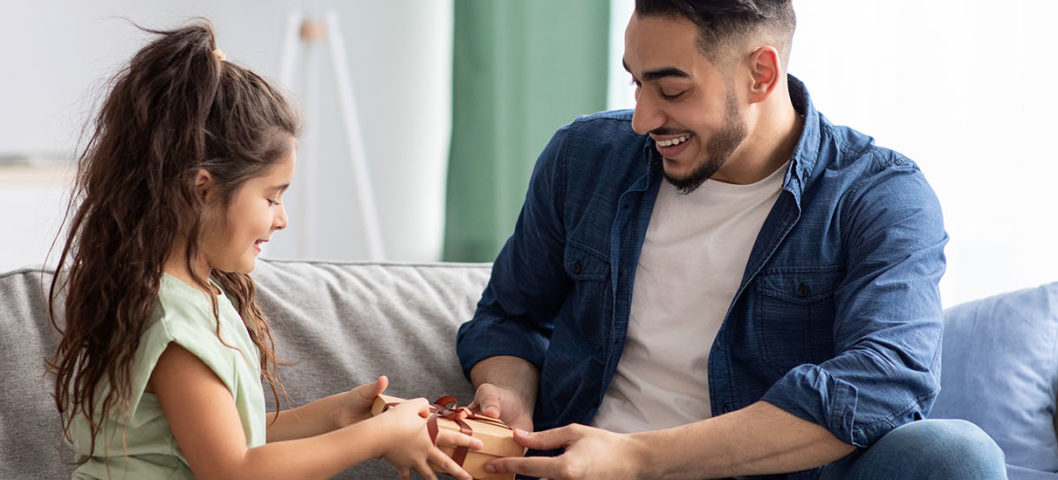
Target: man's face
<point x="685" y="102"/>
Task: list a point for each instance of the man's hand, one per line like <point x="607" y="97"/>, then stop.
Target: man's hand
<point x="506" y="389"/>
<point x="502" y="403"/>
<point x="591" y="454"/>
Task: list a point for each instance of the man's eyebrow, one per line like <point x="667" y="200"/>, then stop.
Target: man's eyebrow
<point x="659" y="73"/>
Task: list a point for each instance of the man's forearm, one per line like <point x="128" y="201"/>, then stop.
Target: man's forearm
<point x="759" y="439"/>
<point x="513" y="373"/>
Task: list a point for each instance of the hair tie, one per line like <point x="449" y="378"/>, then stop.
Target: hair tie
<point x="219" y="54"/>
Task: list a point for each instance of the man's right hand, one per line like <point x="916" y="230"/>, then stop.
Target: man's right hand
<point x="506" y="389"/>
<point x="502" y="403"/>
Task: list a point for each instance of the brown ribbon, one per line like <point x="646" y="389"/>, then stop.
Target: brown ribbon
<point x="446" y="407"/>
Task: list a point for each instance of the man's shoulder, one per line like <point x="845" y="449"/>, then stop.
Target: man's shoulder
<point x="851" y="169"/>
<point x="611" y="125"/>
<point x="854" y="151"/>
<point x="623" y="116"/>
<point x="601" y="144"/>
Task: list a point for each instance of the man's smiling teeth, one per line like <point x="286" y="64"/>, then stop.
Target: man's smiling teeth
<point x="672" y="141"/>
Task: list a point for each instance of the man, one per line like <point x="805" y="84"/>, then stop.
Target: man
<point x="722" y="283"/>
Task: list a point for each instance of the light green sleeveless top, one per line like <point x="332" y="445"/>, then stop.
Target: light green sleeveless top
<point x="183" y="316"/>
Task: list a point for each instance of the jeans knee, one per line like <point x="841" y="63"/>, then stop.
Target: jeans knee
<point x="954" y="448"/>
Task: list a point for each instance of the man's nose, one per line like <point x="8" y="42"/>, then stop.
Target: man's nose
<point x="647" y="116"/>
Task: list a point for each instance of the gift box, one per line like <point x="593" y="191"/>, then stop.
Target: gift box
<point x="498" y="439"/>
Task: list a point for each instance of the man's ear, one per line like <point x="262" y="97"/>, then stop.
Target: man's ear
<point x="203" y="185"/>
<point x="765" y="73"/>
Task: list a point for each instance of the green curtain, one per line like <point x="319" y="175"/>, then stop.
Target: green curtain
<point x="522" y="68"/>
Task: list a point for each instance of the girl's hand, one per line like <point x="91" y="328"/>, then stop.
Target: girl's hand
<point x="406" y="442"/>
<point x="355" y="405"/>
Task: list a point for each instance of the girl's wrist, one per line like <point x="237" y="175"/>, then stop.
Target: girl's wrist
<point x="341" y="414"/>
<point x="379" y="435"/>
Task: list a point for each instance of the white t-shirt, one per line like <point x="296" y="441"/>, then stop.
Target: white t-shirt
<point x="693" y="258"/>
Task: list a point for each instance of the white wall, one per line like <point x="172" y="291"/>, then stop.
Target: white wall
<point x="964" y="89"/>
<point x="57" y="54"/>
<point x="961" y="87"/>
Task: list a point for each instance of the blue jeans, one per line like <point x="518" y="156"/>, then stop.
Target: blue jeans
<point x="925" y="450"/>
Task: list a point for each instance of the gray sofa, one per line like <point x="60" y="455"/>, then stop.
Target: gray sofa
<point x="343" y="324"/>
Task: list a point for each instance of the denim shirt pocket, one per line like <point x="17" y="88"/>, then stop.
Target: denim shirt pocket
<point x="587" y="310"/>
<point x="794" y="314"/>
<point x="583" y="263"/>
<point x="577" y="349"/>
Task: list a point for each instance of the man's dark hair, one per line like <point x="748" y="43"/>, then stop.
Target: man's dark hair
<point x="723" y="24"/>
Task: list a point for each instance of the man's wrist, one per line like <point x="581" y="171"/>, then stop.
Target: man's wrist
<point x="645" y="466"/>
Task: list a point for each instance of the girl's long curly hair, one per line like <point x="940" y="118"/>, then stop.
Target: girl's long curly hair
<point x="176" y="108"/>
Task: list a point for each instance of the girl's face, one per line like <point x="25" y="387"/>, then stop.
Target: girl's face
<point x="232" y="239"/>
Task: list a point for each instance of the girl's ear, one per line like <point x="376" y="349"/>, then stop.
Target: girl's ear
<point x="203" y="185"/>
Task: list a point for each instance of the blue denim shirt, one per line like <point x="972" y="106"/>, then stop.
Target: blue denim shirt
<point x="837" y="319"/>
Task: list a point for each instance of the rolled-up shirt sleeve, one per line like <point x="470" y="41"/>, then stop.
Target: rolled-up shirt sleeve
<point x="888" y="325"/>
<point x="515" y="315"/>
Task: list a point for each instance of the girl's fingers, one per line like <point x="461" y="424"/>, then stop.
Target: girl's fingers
<point x="446" y="463"/>
<point x="381" y="384"/>
<point x="449" y="438"/>
<point x="405" y="473"/>
<point x="424" y="469"/>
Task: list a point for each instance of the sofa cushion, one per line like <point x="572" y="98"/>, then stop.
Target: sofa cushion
<point x="1000" y="371"/>
<point x="363" y="320"/>
<point x="343" y="324"/>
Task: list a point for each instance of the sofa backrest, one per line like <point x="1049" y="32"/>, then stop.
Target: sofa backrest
<point x="29" y="422"/>
<point x="340" y="324"/>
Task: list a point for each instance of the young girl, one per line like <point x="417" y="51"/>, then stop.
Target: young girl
<point x="158" y="374"/>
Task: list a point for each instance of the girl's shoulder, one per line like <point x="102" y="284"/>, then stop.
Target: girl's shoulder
<point x="182" y="306"/>
<point x="185" y="315"/>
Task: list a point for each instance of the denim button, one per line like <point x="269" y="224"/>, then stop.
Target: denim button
<point x="576" y="268"/>
<point x="803" y="291"/>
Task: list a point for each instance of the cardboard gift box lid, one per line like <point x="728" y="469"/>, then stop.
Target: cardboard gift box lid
<point x="497" y="438"/>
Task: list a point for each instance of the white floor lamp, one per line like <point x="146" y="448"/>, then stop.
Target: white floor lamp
<point x="304" y="32"/>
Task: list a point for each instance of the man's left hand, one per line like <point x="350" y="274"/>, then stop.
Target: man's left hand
<point x="591" y="453"/>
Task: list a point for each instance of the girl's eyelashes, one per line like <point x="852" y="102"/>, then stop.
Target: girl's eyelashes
<point x="272" y="203"/>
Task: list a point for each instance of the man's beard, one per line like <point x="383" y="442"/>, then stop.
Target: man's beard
<point x="717" y="151"/>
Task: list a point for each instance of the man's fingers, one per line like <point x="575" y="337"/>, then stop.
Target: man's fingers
<point x="487" y="400"/>
<point x="547" y="439"/>
<point x="448" y="438"/>
<point x="549" y="467"/>
<point x="520" y="423"/>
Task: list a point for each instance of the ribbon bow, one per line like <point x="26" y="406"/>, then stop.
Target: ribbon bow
<point x="446" y="407"/>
